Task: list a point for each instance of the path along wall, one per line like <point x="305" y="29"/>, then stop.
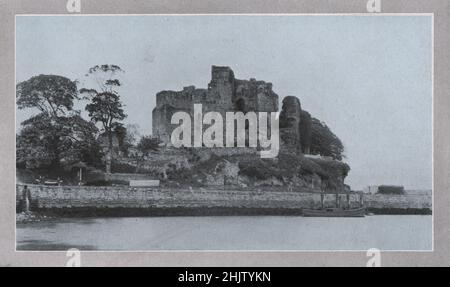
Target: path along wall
<point x="83" y="197"/>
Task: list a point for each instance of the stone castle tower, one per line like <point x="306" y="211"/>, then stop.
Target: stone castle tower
<point x="224" y="94"/>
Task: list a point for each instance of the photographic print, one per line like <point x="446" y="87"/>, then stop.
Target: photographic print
<point x="265" y="132"/>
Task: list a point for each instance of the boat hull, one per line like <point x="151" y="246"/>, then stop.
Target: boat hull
<point x="335" y="212"/>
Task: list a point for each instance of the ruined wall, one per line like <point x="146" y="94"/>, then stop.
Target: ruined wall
<point x="305" y="131"/>
<point x="295" y="126"/>
<point x="220" y="90"/>
<point x="256" y="95"/>
<point x="224" y="94"/>
<point x="161" y="117"/>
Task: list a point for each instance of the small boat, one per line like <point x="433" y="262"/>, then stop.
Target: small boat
<point x="335" y="212"/>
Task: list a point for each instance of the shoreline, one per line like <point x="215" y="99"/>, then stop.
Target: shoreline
<point x="55" y="213"/>
<point x="83" y="201"/>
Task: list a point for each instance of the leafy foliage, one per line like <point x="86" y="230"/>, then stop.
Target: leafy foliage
<point x="51" y="94"/>
<point x="148" y="144"/>
<point x="58" y="134"/>
<point x="259" y="169"/>
<point x="324" y="141"/>
<point x="105" y="106"/>
<point x="331" y="172"/>
<point x="46" y="141"/>
<point x="104" y="77"/>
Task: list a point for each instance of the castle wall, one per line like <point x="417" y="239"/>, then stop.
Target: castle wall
<point x="290" y="119"/>
<point x="224" y="94"/>
<point x="161" y="117"/>
<point x="221" y="89"/>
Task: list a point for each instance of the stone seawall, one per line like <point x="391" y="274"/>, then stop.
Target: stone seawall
<point x="401" y="204"/>
<point x="148" y="201"/>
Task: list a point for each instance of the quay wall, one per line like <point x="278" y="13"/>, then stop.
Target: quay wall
<point x="96" y="198"/>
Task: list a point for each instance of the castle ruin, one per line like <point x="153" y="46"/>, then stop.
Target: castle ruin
<point x="224" y="94"/>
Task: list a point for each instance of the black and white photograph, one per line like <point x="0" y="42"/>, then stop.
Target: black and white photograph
<point x="224" y="132"/>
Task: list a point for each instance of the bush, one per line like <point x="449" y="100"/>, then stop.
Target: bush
<point x="259" y="169"/>
<point x="292" y="165"/>
<point x="332" y="167"/>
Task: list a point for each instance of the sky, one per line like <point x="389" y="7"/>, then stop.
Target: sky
<point x="367" y="77"/>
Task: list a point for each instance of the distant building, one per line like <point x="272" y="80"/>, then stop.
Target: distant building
<point x="384" y="189"/>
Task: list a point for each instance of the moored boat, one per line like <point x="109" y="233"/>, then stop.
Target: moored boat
<point x="335" y="212"/>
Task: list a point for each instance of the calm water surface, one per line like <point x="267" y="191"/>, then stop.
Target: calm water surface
<point x="385" y="232"/>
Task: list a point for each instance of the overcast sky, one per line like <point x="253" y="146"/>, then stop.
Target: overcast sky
<point x="367" y="77"/>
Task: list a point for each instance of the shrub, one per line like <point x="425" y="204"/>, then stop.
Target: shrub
<point x="333" y="167"/>
<point x="259" y="169"/>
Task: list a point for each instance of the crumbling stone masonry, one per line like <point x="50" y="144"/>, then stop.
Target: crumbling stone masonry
<point x="290" y="119"/>
<point x="224" y="94"/>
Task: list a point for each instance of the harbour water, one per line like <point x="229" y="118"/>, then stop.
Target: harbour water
<point x="385" y="232"/>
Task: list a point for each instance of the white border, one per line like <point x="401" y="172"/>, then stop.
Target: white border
<point x="242" y="14"/>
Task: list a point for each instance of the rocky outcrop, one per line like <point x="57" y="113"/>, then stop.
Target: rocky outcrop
<point x="243" y="166"/>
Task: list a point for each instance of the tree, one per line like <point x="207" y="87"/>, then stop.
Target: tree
<point x="145" y="146"/>
<point x="50" y="94"/>
<point x="324" y="141"/>
<point x="46" y="142"/>
<point x="105" y="106"/>
<point x="57" y="134"/>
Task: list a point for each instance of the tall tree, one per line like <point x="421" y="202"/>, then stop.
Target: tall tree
<point x="57" y="133"/>
<point x="51" y="94"/>
<point x="45" y="142"/>
<point x="105" y="106"/>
